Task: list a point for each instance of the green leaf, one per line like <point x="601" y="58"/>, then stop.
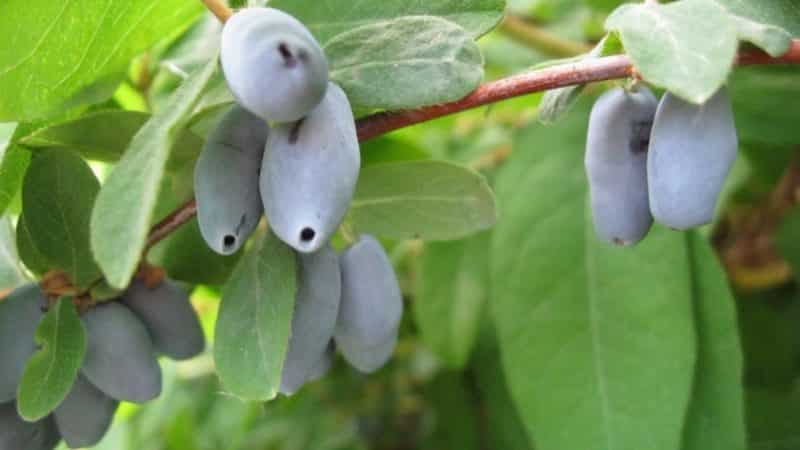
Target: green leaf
<point x="593" y="338"/>
<point x="389" y="149"/>
<point x="773" y="40"/>
<point x="14" y="162"/>
<point x="124" y="208"/>
<point x="504" y="429"/>
<point x="430" y="200"/>
<point x="6" y="134"/>
<point x="53" y="53"/>
<point x="255" y="318"/>
<point x="715" y="420"/>
<point x="455" y="414"/>
<point x="671" y="48"/>
<point x="50" y="372"/>
<point x="30" y="255"/>
<point x="104" y="136"/>
<point x="556" y="103"/>
<point x="780" y="13"/>
<point x="770" y="337"/>
<point x="57" y="198"/>
<point x="16" y="158"/>
<point x="451" y="294"/>
<point x="329" y="18"/>
<point x="772" y="418"/>
<point x="405" y="63"/>
<point x="10" y="272"/>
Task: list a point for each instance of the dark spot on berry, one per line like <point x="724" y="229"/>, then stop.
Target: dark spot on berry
<point x="289" y="59"/>
<point x="640" y="137"/>
<point x="229" y="241"/>
<point x="307" y="235"/>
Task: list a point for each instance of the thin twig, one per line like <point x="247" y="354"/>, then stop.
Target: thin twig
<point x="591" y="70"/>
<point x="219" y="9"/>
<point x="177" y="218"/>
<point x="539" y="39"/>
<point x="600" y="69"/>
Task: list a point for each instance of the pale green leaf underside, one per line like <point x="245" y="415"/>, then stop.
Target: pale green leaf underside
<point x="405" y="63"/>
<point x="254" y="323"/>
<point x="51" y="371"/>
<point x="328" y="18"/>
<point x="594" y="338"/>
<point x="425" y="199"/>
<point x="53" y="51"/>
<point x="780" y="13"/>
<point x="686" y="47"/>
<point x="773" y="40"/>
<point x="124" y="208"/>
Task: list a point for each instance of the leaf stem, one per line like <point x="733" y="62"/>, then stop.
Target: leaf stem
<point x="177" y="218"/>
<point x="600" y="69"/>
<point x="219" y="9"/>
<point x="537" y="38"/>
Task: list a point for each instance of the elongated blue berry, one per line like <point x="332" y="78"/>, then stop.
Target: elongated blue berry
<point x="226" y="181"/>
<point x="85" y="415"/>
<point x="371" y="307"/>
<point x="119" y="354"/>
<point x="309" y="173"/>
<point x="17" y="434"/>
<point x="616" y="164"/>
<point x="168" y="315"/>
<point x="692" y="150"/>
<point x="273" y="65"/>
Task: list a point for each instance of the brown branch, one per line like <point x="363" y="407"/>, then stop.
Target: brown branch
<point x="600" y="69"/>
<point x="219" y="9"/>
<point x="177" y="218"/>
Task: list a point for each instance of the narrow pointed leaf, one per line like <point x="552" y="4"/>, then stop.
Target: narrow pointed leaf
<point x="124" y="208"/>
<point x="50" y="372"/>
<point x="255" y="317"/>
<point x="105" y="135"/>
